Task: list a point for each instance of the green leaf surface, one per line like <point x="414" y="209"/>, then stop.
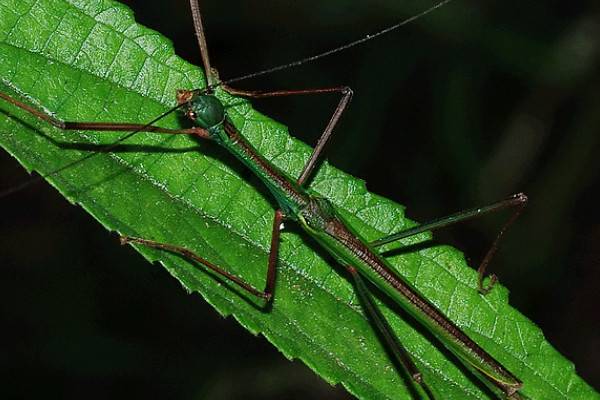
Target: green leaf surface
<point x="89" y="61"/>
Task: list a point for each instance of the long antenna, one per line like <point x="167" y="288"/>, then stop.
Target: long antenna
<point x="327" y="53"/>
<point x="212" y="85"/>
<point x="194" y="7"/>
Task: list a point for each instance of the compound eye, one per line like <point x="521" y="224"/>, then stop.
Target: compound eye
<point x="191" y="115"/>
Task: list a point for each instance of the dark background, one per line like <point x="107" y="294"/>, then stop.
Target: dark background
<point x="470" y="104"/>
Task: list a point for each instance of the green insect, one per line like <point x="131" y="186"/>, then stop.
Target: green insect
<point x="215" y="120"/>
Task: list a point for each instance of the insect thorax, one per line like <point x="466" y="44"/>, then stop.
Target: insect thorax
<point x="317" y="213"/>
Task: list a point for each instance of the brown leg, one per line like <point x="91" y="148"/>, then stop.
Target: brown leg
<point x="94" y="126"/>
<point x="201" y="37"/>
<point x="346" y="93"/>
<point x="396" y="349"/>
<point x="516" y="202"/>
<point x="104" y="126"/>
<point x="266" y="294"/>
<point x="213" y="81"/>
<point x="518" y="205"/>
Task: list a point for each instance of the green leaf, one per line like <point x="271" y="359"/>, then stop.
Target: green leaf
<point x="89" y="61"/>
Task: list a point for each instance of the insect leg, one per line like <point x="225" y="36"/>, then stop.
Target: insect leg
<point x="213" y="81"/>
<point x="98" y="126"/>
<point x="131" y="128"/>
<point x="346" y="93"/>
<point x="266" y="293"/>
<point x="516" y="202"/>
<point x="397" y="350"/>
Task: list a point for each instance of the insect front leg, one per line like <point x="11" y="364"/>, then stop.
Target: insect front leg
<point x="312" y="162"/>
<point x="213" y="81"/>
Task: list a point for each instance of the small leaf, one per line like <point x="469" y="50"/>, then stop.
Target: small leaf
<point x="86" y="60"/>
